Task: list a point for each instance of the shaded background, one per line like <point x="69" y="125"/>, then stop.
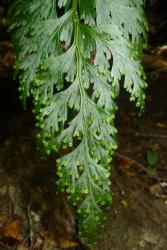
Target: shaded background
<point x="33" y="216"/>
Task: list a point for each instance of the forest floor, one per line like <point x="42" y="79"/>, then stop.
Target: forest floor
<point x="33" y="216"/>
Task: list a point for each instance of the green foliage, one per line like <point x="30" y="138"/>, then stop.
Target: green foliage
<point x="152" y="157"/>
<point x="72" y="57"/>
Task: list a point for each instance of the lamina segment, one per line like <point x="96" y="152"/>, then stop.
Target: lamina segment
<point x="127" y="15"/>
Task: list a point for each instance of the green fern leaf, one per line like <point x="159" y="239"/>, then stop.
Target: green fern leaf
<point x="71" y="58"/>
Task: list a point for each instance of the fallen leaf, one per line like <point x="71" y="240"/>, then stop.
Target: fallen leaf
<point x="65" y="242"/>
<point x="124" y="203"/>
<point x="161" y="125"/>
<point x="23" y="247"/>
<point x="61" y="239"/>
<point x="12" y="230"/>
<point x="125" y="163"/>
<point x="157" y="191"/>
<point x="130" y="174"/>
<point x="153" y="62"/>
<point x="162" y="50"/>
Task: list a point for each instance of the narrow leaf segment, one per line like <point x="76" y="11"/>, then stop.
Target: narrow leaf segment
<point x="71" y="58"/>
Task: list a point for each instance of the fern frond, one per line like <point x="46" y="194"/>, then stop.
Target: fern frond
<point x="72" y="62"/>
